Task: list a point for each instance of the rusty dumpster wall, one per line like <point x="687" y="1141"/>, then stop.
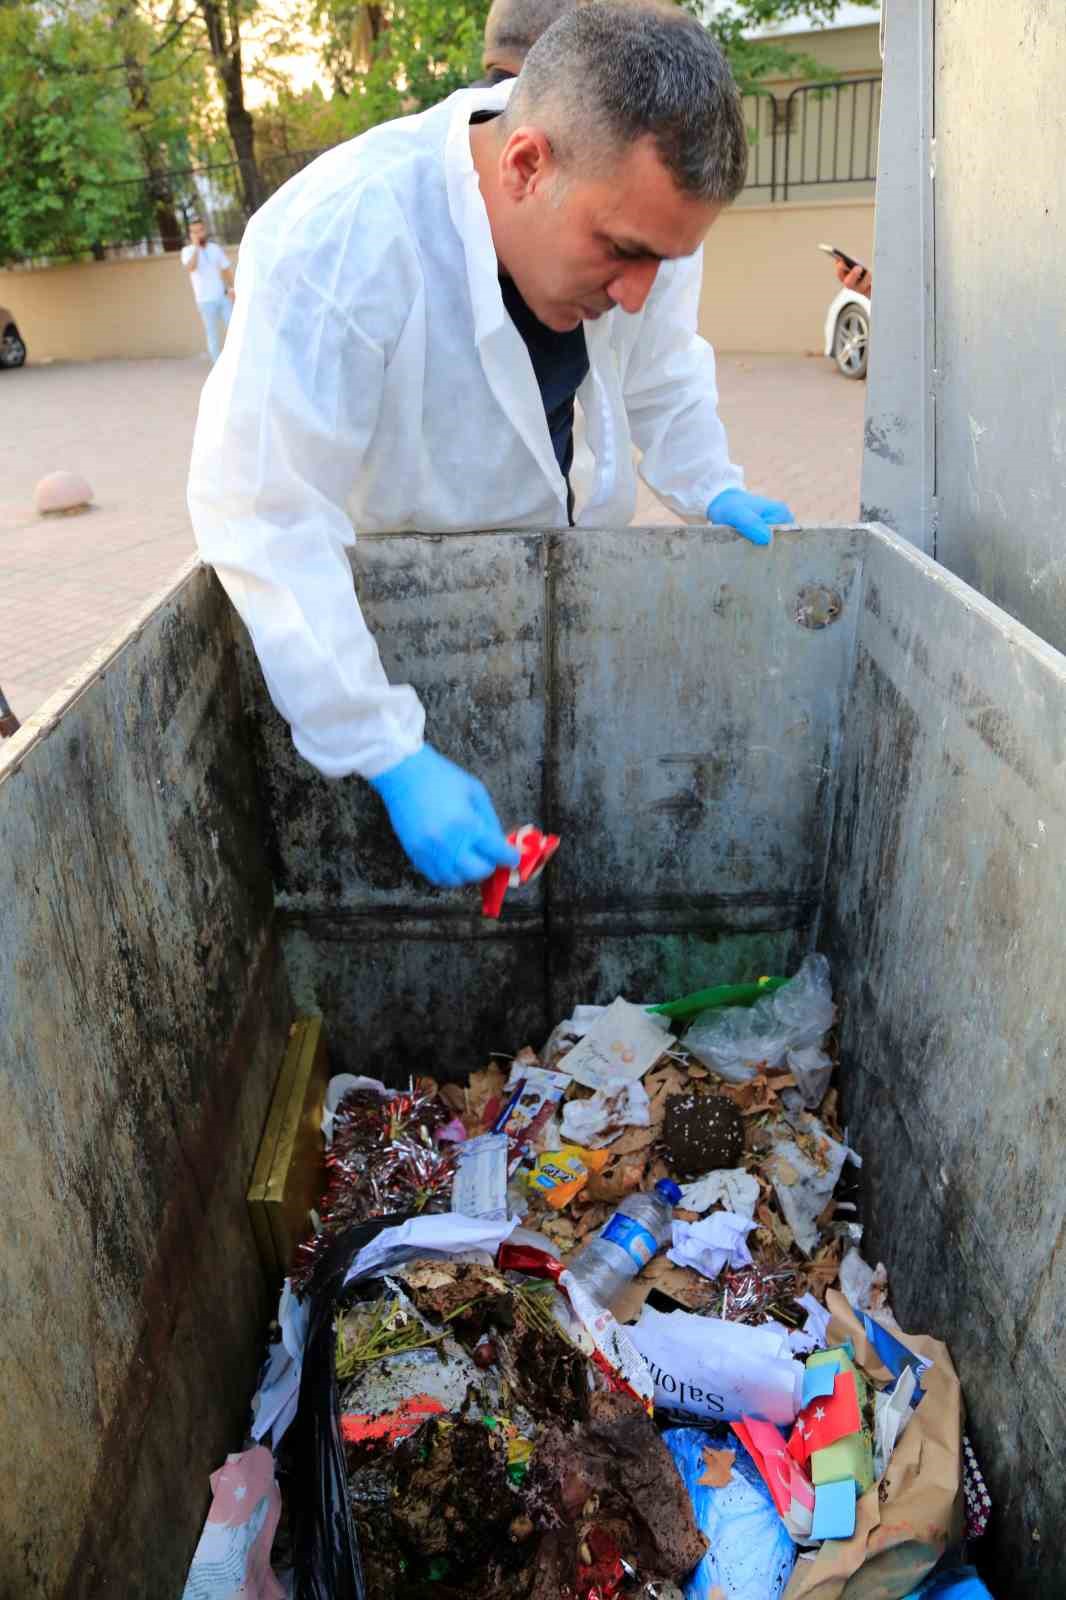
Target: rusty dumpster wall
<point x="142" y="1022"/>
<point x="668" y="700"/>
<point x="944" y="918"/>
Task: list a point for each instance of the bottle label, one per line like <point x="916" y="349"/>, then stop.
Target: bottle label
<point x="637" y="1242"/>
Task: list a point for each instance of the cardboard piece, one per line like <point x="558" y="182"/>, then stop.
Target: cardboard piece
<point x="904" y="1524"/>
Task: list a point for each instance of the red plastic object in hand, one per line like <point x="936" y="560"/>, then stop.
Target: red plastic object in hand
<point x="535" y="850"/>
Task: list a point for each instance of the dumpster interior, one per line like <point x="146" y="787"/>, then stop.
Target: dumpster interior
<point x="838" y="747"/>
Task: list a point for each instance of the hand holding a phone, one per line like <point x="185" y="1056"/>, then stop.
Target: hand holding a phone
<point x="855" y="277"/>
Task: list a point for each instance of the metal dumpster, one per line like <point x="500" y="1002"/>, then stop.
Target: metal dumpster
<point x="747" y="754"/>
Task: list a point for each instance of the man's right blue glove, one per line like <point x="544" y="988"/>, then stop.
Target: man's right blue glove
<point x="444" y="819"/>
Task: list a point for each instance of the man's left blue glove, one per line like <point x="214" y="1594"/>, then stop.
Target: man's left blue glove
<point x="751" y="515"/>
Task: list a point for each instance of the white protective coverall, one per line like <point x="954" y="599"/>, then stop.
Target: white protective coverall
<point x="372" y="380"/>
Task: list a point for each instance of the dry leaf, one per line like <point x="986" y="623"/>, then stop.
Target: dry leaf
<point x="778" y="1228"/>
<point x="689" y="1289"/>
<point x="635" y="1140"/>
<point x="660" y="1084"/>
<point x="717" y="1468"/>
<point x="785" y="1172"/>
<point x="657" y="1170"/>
<point x="617" y="1180"/>
<point x="717" y="1594"/>
<point x="454" y="1097"/>
<point x="595" y="1216"/>
<point x="484" y="1086"/>
<point x="628" y="1303"/>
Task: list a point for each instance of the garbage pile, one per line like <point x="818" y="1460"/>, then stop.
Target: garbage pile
<point x="596" y="1323"/>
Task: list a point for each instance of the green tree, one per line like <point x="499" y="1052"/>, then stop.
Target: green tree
<point x="65" y="146"/>
<point x="389" y="57"/>
<point x="731" y="21"/>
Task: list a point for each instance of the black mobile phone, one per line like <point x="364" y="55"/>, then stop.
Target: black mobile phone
<point x="849" y="261"/>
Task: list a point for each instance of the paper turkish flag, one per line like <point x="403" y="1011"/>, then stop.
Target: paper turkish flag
<point x="826" y="1419"/>
<point x="787" y="1482"/>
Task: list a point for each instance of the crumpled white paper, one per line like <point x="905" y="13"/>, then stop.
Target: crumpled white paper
<point x="598" y="1122"/>
<point x="803" y="1187"/>
<point x="732" y="1187"/>
<point x="717" y="1241"/>
<point x="892" y="1412"/>
<point x="863" y="1286"/>
<point x="274" y="1404"/>
<point x="447" y="1234"/>
<point x="814" y="1335"/>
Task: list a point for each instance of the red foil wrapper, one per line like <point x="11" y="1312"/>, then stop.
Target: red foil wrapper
<point x="535" y="851"/>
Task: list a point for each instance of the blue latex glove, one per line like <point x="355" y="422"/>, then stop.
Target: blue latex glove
<point x="751" y="515"/>
<point x="444" y="819"/>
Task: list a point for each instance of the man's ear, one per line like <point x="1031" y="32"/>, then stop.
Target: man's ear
<point x="527" y="161"/>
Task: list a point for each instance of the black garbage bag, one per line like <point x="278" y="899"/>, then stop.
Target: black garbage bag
<point x="326" y="1555"/>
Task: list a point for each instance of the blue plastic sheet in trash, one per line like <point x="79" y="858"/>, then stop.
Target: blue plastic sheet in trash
<point x="751" y="1555"/>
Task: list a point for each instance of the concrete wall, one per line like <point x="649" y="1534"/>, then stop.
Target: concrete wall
<point x="966" y="422"/>
<point x="541" y="662"/>
<point x="845" y="52"/>
<point x="1000" y="315"/>
<point x="766" y="285"/>
<point x="943" y="920"/>
<point x="143" y="1017"/>
<point x="106" y="310"/>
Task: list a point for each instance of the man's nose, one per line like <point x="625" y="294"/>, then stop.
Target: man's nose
<point x="632" y="285"/>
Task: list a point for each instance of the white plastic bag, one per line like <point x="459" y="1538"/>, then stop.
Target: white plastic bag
<point x="736" y="1041"/>
<point x="812" y="1070"/>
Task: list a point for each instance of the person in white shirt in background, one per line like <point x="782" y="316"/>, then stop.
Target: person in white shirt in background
<point x="419" y="310"/>
<point x="212" y="283"/>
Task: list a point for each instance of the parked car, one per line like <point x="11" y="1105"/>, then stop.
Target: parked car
<point x="12" y="344"/>
<point x="847" y="332"/>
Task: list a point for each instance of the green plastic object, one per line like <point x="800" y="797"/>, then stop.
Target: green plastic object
<point x="726" y="994"/>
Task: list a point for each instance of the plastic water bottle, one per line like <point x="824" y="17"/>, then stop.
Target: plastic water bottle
<point x="639" y="1228"/>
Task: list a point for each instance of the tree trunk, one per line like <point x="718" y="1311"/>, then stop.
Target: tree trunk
<point x="222" y="22"/>
<point x="171" y="232"/>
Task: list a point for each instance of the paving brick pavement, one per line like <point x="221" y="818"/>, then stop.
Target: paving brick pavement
<point x="67" y="584"/>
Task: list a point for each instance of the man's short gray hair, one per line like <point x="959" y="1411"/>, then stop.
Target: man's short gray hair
<point x="513" y="27"/>
<point x="606" y="75"/>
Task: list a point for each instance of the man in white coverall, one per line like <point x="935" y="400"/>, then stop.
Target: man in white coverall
<point x="418" y="310"/>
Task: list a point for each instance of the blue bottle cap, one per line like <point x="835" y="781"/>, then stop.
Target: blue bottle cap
<point x="669" y="1190"/>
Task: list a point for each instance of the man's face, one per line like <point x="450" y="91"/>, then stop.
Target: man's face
<point x="198" y="233"/>
<point x="576" y="247"/>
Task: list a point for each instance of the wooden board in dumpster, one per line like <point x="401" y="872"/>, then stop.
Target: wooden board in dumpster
<point x="288" y="1171"/>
